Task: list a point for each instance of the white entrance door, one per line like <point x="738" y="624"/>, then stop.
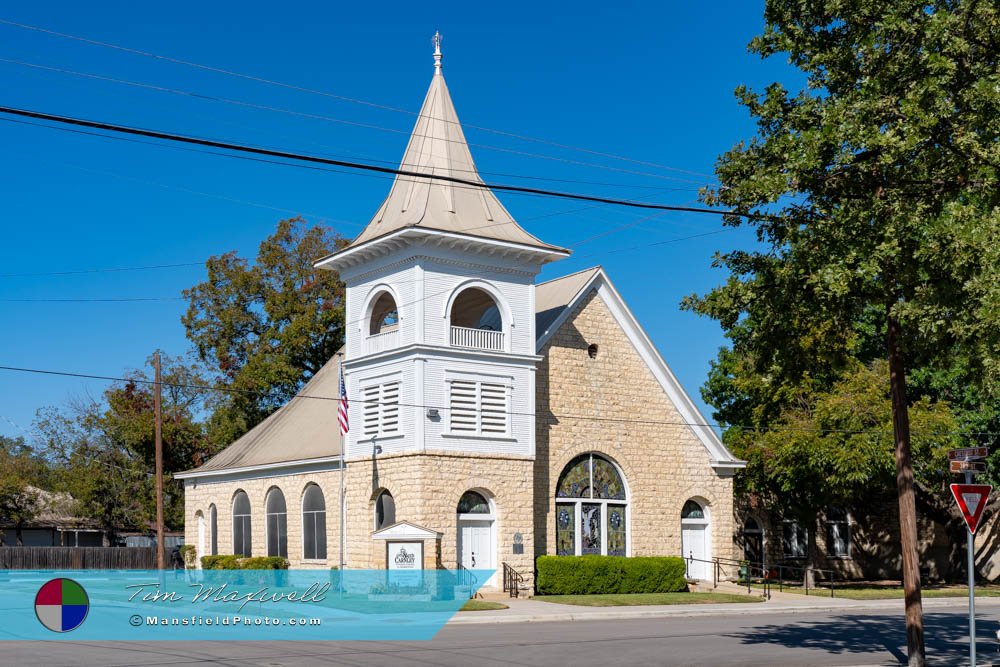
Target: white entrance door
<point x="694" y="538"/>
<point x="475" y="546"/>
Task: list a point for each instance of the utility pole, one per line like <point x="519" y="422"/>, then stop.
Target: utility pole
<point x="158" y="418"/>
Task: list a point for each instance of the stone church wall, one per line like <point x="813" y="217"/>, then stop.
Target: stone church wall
<point x="630" y="421"/>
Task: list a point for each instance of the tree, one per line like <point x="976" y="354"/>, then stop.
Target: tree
<point x="874" y="195"/>
<point x="103" y="451"/>
<point x="266" y="328"/>
<point x="21" y="473"/>
<point x="834" y="448"/>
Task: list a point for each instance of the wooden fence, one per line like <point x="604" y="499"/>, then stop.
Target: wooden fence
<point x="77" y="558"/>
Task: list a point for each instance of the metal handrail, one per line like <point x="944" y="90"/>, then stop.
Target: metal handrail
<point x="512" y="580"/>
<point x="464" y="577"/>
<point x="766" y="575"/>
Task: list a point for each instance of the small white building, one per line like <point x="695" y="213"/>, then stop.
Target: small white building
<point x="510" y="419"/>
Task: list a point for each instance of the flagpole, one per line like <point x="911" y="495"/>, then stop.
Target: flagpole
<point x="343" y="448"/>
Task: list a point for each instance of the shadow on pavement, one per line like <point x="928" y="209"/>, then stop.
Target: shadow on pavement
<point x="945" y="636"/>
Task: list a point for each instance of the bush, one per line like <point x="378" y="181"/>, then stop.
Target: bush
<point x="188" y="555"/>
<point x="264" y="563"/>
<point x="586" y="575"/>
<point x="220" y="562"/>
<point x="230" y="562"/>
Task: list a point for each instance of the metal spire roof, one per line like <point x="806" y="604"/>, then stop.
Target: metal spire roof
<point x="437" y="146"/>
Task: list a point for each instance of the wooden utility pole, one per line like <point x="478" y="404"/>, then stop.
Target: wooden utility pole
<point x="907" y="503"/>
<point x="158" y="418"/>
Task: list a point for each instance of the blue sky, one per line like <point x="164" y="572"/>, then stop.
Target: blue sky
<point x="653" y="83"/>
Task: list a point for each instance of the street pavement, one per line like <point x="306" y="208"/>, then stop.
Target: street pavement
<point x="784" y="634"/>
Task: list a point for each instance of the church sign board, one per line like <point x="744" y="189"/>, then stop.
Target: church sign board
<point x="405" y="562"/>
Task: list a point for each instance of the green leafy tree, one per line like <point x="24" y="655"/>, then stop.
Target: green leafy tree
<point x="103" y="452"/>
<point x="835" y="448"/>
<point x="21" y="474"/>
<point x="874" y="195"/>
<point x="266" y="328"/>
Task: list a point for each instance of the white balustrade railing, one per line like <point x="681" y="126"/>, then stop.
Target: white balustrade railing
<point x="381" y="341"/>
<point x="479" y="339"/>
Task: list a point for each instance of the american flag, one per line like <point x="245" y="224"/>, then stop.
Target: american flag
<point x="342" y="410"/>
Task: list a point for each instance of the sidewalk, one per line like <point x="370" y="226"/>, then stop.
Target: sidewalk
<point x="532" y="611"/>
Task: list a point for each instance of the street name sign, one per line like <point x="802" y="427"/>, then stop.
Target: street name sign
<point x="971" y="499"/>
<point x="968" y="453"/>
<point x="968" y="466"/>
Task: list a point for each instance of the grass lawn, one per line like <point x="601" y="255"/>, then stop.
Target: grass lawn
<point x="892" y="592"/>
<point x="624" y="599"/>
<point x="482" y="605"/>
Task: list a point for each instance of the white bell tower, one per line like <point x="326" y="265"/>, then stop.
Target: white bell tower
<point x="440" y="317"/>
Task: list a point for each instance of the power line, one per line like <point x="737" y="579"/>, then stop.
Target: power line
<point x="110" y="127"/>
<point x="108" y="270"/>
<point x="249" y="77"/>
<point x="87" y="300"/>
<point x="231" y="390"/>
<point x="342" y="121"/>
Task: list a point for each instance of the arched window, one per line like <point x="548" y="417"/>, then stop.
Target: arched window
<point x="385" y="316"/>
<point x="213" y="530"/>
<point x="591" y="508"/>
<point x="277" y="523"/>
<point x="473" y="502"/>
<point x="313" y="523"/>
<point x="692" y="510"/>
<point x="476" y="321"/>
<point x="385" y="510"/>
<point x="475" y="309"/>
<point x="242" y="543"/>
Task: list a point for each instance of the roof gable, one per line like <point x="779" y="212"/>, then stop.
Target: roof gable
<point x="563" y="295"/>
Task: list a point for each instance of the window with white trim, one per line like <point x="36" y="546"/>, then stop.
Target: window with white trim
<point x="838" y="533"/>
<point x="478" y="408"/>
<point x="381" y="409"/>
<point x="795" y="539"/>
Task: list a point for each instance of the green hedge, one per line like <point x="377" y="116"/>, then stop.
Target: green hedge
<point x="585" y="575"/>
<point x="229" y="562"/>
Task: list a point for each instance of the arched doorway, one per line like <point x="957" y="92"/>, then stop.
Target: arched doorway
<point x="696" y="538"/>
<point x="477" y="544"/>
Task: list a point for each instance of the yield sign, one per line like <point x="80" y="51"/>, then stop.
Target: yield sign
<point x="971" y="500"/>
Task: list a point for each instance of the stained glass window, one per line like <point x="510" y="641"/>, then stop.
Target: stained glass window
<point x="566" y="530"/>
<point x="473" y="503"/>
<point x="616" y="530"/>
<point x="607" y="482"/>
<point x="590" y="529"/>
<point x="575" y="481"/>
<point x="591" y="525"/>
<point x="692" y="510"/>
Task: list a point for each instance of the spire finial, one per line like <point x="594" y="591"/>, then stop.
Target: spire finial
<point x="437" y="52"/>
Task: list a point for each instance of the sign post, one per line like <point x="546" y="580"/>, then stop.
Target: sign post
<point x="971" y="499"/>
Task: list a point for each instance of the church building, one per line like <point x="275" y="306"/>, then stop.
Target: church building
<point x="492" y="419"/>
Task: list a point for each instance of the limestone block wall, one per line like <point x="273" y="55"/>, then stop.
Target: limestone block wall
<point x="426" y="488"/>
<point x="631" y="421"/>
<point x="199" y="494"/>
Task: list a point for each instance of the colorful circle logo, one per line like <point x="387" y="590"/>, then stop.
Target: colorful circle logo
<point x="61" y="605"/>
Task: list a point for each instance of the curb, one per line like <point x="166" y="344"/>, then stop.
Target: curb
<point x="721" y="609"/>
